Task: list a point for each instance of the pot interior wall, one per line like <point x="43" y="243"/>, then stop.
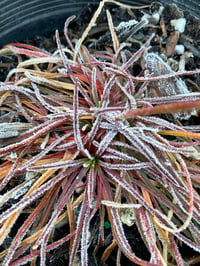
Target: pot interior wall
<point x="21" y="19"/>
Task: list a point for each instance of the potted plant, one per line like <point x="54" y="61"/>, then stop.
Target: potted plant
<point x="98" y="145"/>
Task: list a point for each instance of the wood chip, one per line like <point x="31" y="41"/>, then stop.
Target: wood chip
<point x="171" y="44"/>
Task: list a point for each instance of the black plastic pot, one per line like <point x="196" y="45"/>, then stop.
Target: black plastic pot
<point x="22" y="19"/>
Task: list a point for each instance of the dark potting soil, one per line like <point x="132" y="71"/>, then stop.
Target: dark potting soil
<point x="163" y="43"/>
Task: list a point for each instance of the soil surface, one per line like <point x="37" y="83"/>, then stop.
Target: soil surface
<point x="164" y="43"/>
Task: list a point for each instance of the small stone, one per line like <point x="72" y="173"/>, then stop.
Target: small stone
<point x="179" y="49"/>
<point x="179" y="24"/>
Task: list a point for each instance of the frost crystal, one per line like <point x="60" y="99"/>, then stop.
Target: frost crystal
<point x="165" y="87"/>
<point x="22" y="190"/>
<point x="126" y="24"/>
<point x="13" y="155"/>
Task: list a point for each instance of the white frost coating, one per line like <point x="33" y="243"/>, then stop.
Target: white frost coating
<point x="126" y="24"/>
<point x="21" y="191"/>
<point x="15" y="193"/>
<point x="165" y="87"/>
<point x="62" y="70"/>
<point x="179" y="24"/>
<point x="13" y="155"/>
<point x="45" y="141"/>
<point x="120" y="205"/>
<point x="195" y="155"/>
<point x="128" y="216"/>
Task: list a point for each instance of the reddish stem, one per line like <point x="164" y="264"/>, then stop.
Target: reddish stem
<point x="161" y="109"/>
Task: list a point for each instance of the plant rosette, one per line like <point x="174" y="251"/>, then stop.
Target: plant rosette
<point x="84" y="139"/>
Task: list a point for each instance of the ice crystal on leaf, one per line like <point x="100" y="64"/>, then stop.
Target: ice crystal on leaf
<point x="95" y="148"/>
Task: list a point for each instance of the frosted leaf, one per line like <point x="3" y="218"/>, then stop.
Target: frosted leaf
<point x="120" y="232"/>
<point x="105" y="142"/>
<point x="16" y="192"/>
<point x="126" y="29"/>
<point x="126" y="24"/>
<point x="120" y="205"/>
<point x="128" y="216"/>
<point x="165" y="87"/>
<point x="194" y="155"/>
<point x="188" y="242"/>
<point x="8" y="133"/>
<point x="120" y="155"/>
<point x="44" y="142"/>
<point x="147" y="152"/>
